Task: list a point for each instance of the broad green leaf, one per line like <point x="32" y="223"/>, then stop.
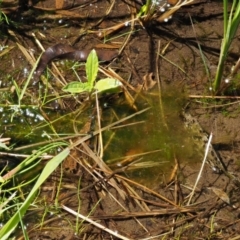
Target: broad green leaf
<point x="77" y="87"/>
<point x="108" y="85"/>
<point x="92" y="67"/>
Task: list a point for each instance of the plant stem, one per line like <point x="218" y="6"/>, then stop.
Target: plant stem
<point x="231" y="23"/>
<point x="148" y="5"/>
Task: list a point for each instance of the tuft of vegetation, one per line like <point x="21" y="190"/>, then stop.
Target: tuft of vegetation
<point x="97" y="142"/>
<point x="231" y="24"/>
<point x="106" y="85"/>
<point x="3" y="16"/>
<point x="22" y="206"/>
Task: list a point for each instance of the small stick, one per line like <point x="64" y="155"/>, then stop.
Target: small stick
<point x="114" y="233"/>
<point x="201" y="170"/>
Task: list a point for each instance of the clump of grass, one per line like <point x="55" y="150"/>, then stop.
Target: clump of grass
<point x="22" y="207"/>
<point x="160" y="11"/>
<point x="3" y="16"/>
<point x="231" y="23"/>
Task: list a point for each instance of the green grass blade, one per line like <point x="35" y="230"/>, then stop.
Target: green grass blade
<point x="28" y="80"/>
<point x="9" y="227"/>
<point x="24" y="164"/>
<point x="225" y="15"/>
<point x="231" y="24"/>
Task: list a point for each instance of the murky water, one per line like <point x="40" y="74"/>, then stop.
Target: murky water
<point x="27" y="125"/>
<point x="144" y="147"/>
<point x="148" y="145"/>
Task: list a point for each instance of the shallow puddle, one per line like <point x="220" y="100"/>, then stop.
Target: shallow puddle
<point x="145" y="148"/>
<point x="148" y="146"/>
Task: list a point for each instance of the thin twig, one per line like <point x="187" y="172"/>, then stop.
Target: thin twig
<point x="201" y="170"/>
<point x="114" y="233"/>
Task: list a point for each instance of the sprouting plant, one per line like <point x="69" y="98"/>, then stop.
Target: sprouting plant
<point x="3" y="16"/>
<point x="153" y="8"/>
<point x="231" y="23"/>
<point x="21" y="92"/>
<point x="146" y="8"/>
<point x="106" y="85"/>
<point x="160" y="10"/>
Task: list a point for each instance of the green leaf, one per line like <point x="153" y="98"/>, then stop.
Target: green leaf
<point x="92" y="67"/>
<point x="3" y="145"/>
<point x="108" y="85"/>
<point x="1" y="179"/>
<point x="77" y="87"/>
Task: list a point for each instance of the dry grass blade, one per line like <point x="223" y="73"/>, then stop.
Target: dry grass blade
<point x="114" y="233"/>
<point x="221" y="194"/>
<point x="3" y="204"/>
<point x="99" y="127"/>
<point x="4" y="140"/>
<point x="125" y="161"/>
<point x="136" y="197"/>
<point x="28" y="56"/>
<point x="174" y="172"/>
<point x="126" y="210"/>
<point x="5" y="51"/>
<point x="108" y="11"/>
<point x="133" y="23"/>
<point x="213" y="97"/>
<point x="146" y="189"/>
<point x="105" y="168"/>
<point x="107" y="31"/>
<point x="9" y="10"/>
<point x="97" y="159"/>
<point x="134" y="165"/>
<point x="59" y="4"/>
<point x="172" y="10"/>
<point x="44" y="157"/>
<point x="137" y="154"/>
<point x="112" y="74"/>
<point x="59" y="14"/>
<point x="201" y="170"/>
<point x="146" y="214"/>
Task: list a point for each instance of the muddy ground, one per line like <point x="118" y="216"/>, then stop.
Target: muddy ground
<point x="162" y="212"/>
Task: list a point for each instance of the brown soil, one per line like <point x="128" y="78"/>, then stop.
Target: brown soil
<point x="140" y="214"/>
